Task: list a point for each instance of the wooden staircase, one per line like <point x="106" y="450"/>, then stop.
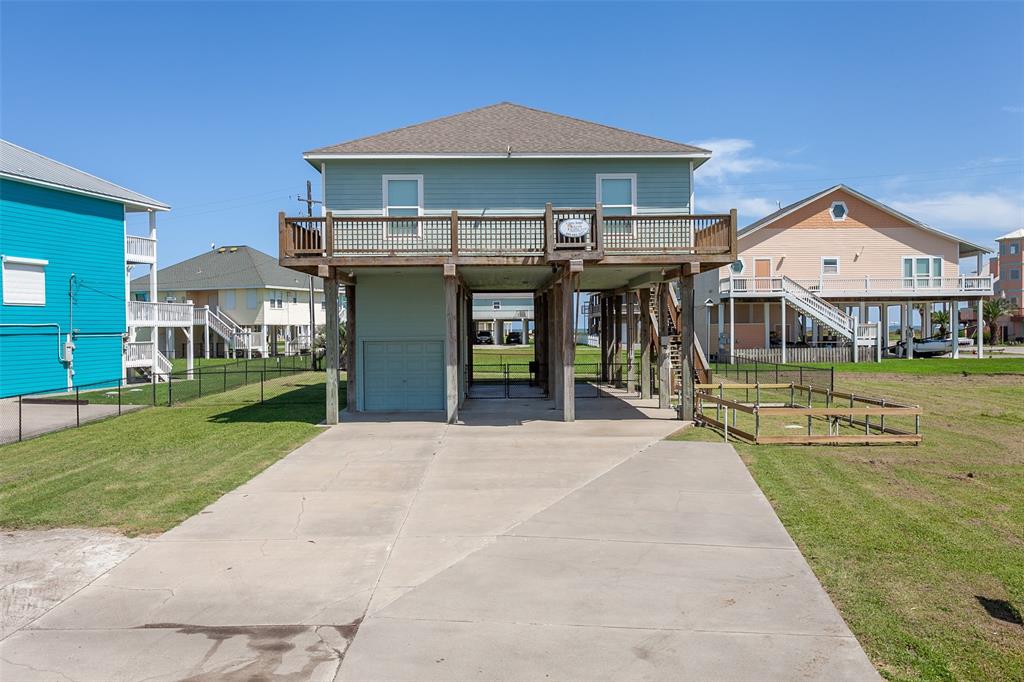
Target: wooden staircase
<point x="701" y="372"/>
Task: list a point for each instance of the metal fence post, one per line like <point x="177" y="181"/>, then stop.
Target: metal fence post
<point x="119" y="384"/>
<point x="170" y="388"/>
<point x="78" y="408"/>
<point x="153" y="383"/>
<point x="246" y="380"/>
<point x="200" y="382"/>
<point x="225" y="378"/>
<point x="19" y="418"/>
<point x="262" y="379"/>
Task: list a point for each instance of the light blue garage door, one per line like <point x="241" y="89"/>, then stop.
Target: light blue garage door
<point x="403" y="375"/>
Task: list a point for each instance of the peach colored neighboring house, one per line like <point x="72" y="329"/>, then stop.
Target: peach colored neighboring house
<point x="1008" y="269"/>
<point x="840" y="267"/>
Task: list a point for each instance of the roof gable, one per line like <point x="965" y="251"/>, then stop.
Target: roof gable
<point x="507" y="129"/>
<point x="18" y="163"/>
<point x="228" y="267"/>
<point x="966" y="248"/>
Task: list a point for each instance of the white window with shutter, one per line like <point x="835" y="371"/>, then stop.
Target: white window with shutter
<point x="24" y="281"/>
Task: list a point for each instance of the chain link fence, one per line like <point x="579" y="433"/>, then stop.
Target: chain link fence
<point x="265" y="381"/>
<point x="521" y="380"/>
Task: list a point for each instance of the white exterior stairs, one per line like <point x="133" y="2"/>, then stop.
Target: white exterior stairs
<point x="237" y="338"/>
<point x="139" y="356"/>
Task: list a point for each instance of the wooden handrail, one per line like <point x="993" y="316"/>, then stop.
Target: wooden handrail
<point x="649" y="234"/>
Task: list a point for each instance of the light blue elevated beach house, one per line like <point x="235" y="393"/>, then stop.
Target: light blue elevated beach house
<point x="510" y="200"/>
<point x="65" y="259"/>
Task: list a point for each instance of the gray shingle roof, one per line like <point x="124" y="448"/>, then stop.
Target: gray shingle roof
<point x="494" y="129"/>
<point x="228" y="267"/>
<point x="19" y="163"/>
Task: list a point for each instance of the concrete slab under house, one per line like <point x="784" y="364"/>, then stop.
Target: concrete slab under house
<point x="512" y="200"/>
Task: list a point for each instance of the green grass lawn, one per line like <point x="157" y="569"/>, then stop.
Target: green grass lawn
<point x="931" y="366"/>
<point x="147" y="471"/>
<point x="912" y="542"/>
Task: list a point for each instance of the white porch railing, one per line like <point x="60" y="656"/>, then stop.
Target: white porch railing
<point x="138" y="354"/>
<point x="148" y="314"/>
<point x="870" y="286"/>
<point x="139" y="249"/>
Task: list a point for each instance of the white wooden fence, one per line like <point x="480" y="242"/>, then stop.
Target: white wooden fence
<point x="807" y="354"/>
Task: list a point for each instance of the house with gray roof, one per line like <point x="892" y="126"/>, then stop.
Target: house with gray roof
<point x="245" y="303"/>
<point x="502" y="199"/>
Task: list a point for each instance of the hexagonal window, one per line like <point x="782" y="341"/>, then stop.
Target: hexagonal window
<point x="838" y="210"/>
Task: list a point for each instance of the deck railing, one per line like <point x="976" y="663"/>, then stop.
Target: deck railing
<point x="146" y="313"/>
<point x="138" y="353"/>
<point x="826" y="286"/>
<point x="139" y="249"/>
<point x="458" y="234"/>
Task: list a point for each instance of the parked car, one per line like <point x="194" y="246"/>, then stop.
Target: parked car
<point x="514" y="338"/>
<point x="484" y="337"/>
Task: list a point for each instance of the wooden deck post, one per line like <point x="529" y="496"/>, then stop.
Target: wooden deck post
<point x="664" y="363"/>
<point x="451" y="344"/>
<point x="555" y="338"/>
<point x="617" y="301"/>
<point x="328" y="234"/>
<point x="602" y="331"/>
<point x="540" y="339"/>
<point x="630" y="341"/>
<point x="350" y="348"/>
<point x="470" y="338"/>
<point x="686" y="334"/>
<point x="568" y="374"/>
<point x="333" y="349"/>
<point x="645" y="343"/>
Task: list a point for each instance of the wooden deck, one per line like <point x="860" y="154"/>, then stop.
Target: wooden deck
<point x="352" y="241"/>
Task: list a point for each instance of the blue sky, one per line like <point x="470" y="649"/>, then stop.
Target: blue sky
<point x="208" y="107"/>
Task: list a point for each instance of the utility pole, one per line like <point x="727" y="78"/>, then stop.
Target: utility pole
<point x="309" y="201"/>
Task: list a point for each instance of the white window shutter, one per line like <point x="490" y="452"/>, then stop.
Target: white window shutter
<point x="24" y="281"/>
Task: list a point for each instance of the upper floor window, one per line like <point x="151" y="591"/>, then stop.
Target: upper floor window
<point x="1013" y="248"/>
<point x="1014" y="273"/>
<point x="403" y="196"/>
<point x="24" y="281"/>
<point x="922" y="271"/>
<point x="838" y="210"/>
<point x="830" y="265"/>
<point x="496" y="305"/>
<point x="229" y="300"/>
<point x="737" y="266"/>
<point x="250" y="299"/>
<point x="616" y="192"/>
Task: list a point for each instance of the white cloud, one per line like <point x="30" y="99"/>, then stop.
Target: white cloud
<point x="977" y="212"/>
<point x="750" y="208"/>
<point x="731" y="157"/>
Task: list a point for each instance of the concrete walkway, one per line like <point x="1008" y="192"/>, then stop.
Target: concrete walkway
<point x="508" y="547"/>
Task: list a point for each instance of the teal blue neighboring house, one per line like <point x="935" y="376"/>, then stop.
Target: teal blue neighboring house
<point x="65" y="257"/>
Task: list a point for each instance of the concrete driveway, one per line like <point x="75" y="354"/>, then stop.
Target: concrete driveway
<point x="508" y="547"/>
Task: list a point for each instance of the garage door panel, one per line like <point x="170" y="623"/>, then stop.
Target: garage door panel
<point x="403" y="375"/>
